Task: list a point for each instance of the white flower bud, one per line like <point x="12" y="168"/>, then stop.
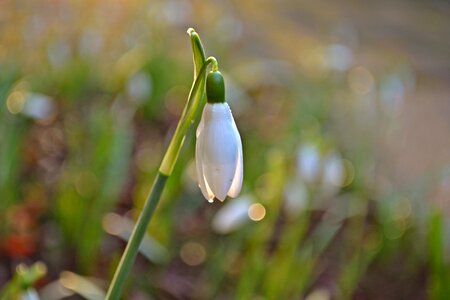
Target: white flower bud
<point x="218" y="153"/>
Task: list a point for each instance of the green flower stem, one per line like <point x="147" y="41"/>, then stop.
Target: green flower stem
<point x="128" y="257"/>
<point x="191" y="109"/>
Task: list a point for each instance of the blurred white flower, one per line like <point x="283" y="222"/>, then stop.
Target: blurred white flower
<point x="333" y="170"/>
<point x="176" y="12"/>
<point x="218" y="153"/>
<point x="30" y="294"/>
<point x="38" y="106"/>
<point x="139" y="87"/>
<point x="90" y="43"/>
<point x="59" y="53"/>
<point x="333" y="174"/>
<point x="338" y="57"/>
<point x="308" y="162"/>
<point x="319" y="294"/>
<point x="232" y="215"/>
<point x="392" y="92"/>
<point x="325" y="171"/>
<point x="296" y="198"/>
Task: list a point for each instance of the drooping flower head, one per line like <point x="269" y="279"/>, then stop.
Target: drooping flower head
<point x="218" y="150"/>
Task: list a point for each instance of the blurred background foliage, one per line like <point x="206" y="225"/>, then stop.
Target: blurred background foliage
<point x="344" y="113"/>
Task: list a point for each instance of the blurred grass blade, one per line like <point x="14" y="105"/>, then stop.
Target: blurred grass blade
<point x="261" y="235"/>
<point x="439" y="286"/>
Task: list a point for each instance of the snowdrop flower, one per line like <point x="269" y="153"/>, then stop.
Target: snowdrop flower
<point x="218" y="150"/>
<point x="29" y="294"/>
<point x="309" y="162"/>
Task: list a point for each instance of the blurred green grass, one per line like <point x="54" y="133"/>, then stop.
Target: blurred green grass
<point x="355" y="196"/>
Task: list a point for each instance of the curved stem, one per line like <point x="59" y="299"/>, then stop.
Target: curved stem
<point x="186" y="120"/>
<point x="215" y="64"/>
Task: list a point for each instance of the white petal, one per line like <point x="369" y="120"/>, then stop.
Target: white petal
<point x="236" y="185"/>
<point x="206" y="191"/>
<point x="209" y="191"/>
<point x="219" y="149"/>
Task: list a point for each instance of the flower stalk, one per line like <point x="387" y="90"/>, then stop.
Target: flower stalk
<point x="193" y="105"/>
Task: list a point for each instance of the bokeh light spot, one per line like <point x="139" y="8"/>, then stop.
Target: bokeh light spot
<point x="16" y="102"/>
<point x="349" y="172"/>
<point x="68" y="280"/>
<point x="21" y="269"/>
<point x="193" y="254"/>
<point x="256" y="212"/>
<point x="144" y="158"/>
<point x="112" y="223"/>
<point x="360" y="80"/>
<point x="402" y="209"/>
<point x="373" y="242"/>
<point x="86" y="183"/>
<point x="319" y="294"/>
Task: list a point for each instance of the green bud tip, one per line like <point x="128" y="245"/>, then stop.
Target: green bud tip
<point x="215" y="87"/>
